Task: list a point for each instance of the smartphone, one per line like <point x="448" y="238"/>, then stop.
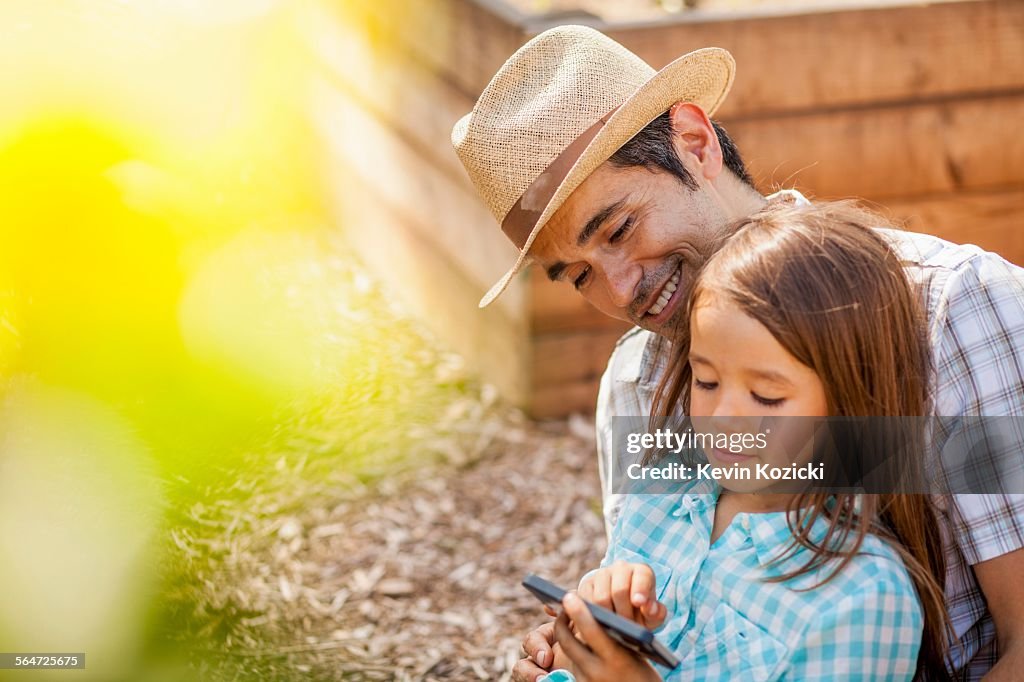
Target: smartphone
<point x="622" y="630"/>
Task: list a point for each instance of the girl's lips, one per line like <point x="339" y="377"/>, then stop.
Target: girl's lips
<point x="730" y="457"/>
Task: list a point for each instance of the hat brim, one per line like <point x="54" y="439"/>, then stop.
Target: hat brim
<point x="702" y="77"/>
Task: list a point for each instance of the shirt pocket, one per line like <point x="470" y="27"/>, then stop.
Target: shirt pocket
<point x="733" y="647"/>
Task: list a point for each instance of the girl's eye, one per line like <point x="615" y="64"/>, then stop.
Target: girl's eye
<point x="705" y="385"/>
<point x="767" y="402"/>
<point x="621" y="232"/>
<point x="581" y="279"/>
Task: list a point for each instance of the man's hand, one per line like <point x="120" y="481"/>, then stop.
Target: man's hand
<point x="541" y="654"/>
<point x="628" y="590"/>
<point x="595" y="656"/>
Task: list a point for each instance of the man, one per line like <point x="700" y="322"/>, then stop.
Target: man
<point x="611" y="177"/>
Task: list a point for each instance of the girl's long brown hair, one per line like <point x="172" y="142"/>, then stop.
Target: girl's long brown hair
<point x="835" y="296"/>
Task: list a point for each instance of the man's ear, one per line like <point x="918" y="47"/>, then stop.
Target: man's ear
<point x="695" y="140"/>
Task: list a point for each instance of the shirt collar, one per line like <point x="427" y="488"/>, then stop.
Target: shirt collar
<point x="788" y="196"/>
<point x="701" y="495"/>
<point x="769" y="532"/>
<point x="773" y="541"/>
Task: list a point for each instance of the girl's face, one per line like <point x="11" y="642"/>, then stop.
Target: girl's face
<point x="742" y="379"/>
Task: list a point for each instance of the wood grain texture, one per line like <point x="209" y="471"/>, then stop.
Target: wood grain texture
<point x="992" y="220"/>
<point x="884" y="152"/>
<point x="400" y="90"/>
<point x="560" y="400"/>
<point x="466" y="42"/>
<point x="852" y="58"/>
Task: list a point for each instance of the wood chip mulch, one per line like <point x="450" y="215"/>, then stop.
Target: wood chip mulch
<point x="414" y="577"/>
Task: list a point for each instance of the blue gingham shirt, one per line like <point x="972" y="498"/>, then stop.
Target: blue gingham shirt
<point x="725" y="623"/>
<point x="974" y="302"/>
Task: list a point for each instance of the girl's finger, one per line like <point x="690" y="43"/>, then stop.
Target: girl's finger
<point x="586" y="588"/>
<point x="601" y="589"/>
<point x="622" y="580"/>
<point x="642" y="588"/>
<point x="654" y="620"/>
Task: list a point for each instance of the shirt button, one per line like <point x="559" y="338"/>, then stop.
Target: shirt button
<point x="745" y="523"/>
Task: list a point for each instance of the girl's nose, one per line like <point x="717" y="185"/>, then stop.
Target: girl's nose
<point x="726" y="406"/>
<point x="732" y="417"/>
<point x="729" y="415"/>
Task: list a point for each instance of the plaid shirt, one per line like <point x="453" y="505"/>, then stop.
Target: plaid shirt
<point x="726" y="623"/>
<point x="975" y="306"/>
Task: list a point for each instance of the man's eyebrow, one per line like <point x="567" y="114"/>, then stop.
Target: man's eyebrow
<point x="594" y="223"/>
<point x="555" y="271"/>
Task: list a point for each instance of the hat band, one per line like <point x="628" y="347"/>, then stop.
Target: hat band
<point x="524" y="214"/>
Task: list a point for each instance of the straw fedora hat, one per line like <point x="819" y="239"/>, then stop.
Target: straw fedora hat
<point x="558" y="109"/>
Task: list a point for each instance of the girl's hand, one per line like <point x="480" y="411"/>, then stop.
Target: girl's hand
<point x="596" y="657"/>
<point x="628" y="590"/>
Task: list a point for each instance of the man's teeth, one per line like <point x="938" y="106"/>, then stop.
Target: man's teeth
<point x="665" y="295"/>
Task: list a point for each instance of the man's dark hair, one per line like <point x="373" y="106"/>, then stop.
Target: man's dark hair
<point x="652" y="148"/>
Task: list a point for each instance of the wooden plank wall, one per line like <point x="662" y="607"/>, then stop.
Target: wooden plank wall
<point x="392" y="79"/>
<point x="916" y="108"/>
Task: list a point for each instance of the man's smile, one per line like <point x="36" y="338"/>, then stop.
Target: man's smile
<point x="665" y="294"/>
<point x="658" y="307"/>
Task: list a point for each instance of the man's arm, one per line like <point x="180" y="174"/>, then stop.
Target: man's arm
<point x="1001" y="582"/>
<point x="977" y="318"/>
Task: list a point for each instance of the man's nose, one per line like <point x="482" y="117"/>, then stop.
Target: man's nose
<point x="621" y="279"/>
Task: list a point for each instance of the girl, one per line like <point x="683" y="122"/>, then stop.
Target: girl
<point x="804" y="311"/>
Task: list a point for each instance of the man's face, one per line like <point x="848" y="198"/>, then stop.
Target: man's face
<point x="630" y="241"/>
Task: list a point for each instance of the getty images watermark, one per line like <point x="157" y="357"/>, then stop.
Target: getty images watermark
<point x="726" y="445"/>
<point x="944" y="455"/>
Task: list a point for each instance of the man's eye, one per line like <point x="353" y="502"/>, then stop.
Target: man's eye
<point x="621" y="232"/>
<point x="705" y="385"/>
<point x="767" y="402"/>
<point x="581" y="279"/>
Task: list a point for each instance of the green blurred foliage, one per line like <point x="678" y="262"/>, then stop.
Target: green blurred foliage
<point x="181" y="326"/>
